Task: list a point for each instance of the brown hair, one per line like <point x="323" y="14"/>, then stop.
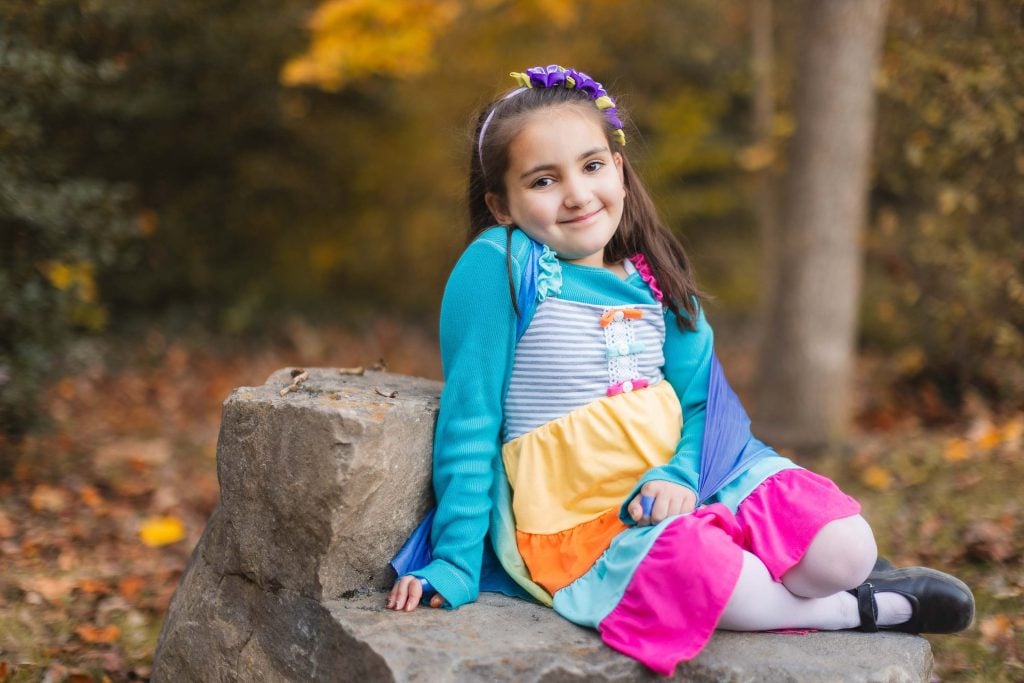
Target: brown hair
<point x="640" y="231"/>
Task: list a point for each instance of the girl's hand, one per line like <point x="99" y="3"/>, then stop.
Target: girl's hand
<point x="669" y="499"/>
<point x="406" y="594"/>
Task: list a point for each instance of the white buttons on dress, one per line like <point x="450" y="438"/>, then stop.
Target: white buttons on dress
<point x="619" y="315"/>
<point x="627" y="387"/>
<point x="623" y="348"/>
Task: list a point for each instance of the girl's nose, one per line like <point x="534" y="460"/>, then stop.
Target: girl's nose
<point x="577" y="194"/>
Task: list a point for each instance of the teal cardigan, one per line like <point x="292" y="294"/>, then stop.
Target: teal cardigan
<point x="478" y="333"/>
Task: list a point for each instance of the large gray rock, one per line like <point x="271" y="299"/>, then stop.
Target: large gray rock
<point x="505" y="639"/>
<point x="319" y="488"/>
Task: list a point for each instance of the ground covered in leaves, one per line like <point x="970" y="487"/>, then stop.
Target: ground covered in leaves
<point x="99" y="513"/>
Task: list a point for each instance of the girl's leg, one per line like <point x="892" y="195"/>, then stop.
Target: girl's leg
<point x="759" y="603"/>
<point x="839" y="558"/>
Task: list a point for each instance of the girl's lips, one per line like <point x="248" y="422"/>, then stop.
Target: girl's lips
<point x="584" y="217"/>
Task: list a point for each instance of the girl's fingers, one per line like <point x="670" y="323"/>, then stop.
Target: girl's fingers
<point x="400" y="591"/>
<point x="689" y="504"/>
<point x="636" y="511"/>
<point x="405" y="595"/>
<point x="415" y="593"/>
<point x="436" y="601"/>
<point x="392" y="597"/>
<point x="660" y="510"/>
<point x="675" y="507"/>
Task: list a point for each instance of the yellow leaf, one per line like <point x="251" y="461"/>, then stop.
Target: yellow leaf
<point x="82" y="274"/>
<point x="353" y="39"/>
<point x="878" y="478"/>
<point x="64" y="276"/>
<point x="59" y="274"/>
<point x="158" y="531"/>
<point x="989" y="438"/>
<point x="958" y="449"/>
<point x="756" y="157"/>
<point x="1013" y="430"/>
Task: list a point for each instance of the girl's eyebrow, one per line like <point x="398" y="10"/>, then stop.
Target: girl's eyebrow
<point x="548" y="167"/>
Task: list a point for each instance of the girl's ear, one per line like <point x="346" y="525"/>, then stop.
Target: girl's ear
<point x="618" y="165"/>
<point x="497" y="206"/>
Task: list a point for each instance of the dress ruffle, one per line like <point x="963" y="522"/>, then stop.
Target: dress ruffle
<point x="643" y="269"/>
<point x="549" y="279"/>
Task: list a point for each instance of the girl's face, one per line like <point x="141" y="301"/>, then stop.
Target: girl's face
<point x="564" y="186"/>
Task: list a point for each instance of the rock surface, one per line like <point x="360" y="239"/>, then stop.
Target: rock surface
<point x="319" y="488"/>
<point x="505" y="639"/>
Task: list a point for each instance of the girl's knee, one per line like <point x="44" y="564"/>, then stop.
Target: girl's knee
<point x="855" y="535"/>
<point x="839" y="558"/>
<point x="853" y="548"/>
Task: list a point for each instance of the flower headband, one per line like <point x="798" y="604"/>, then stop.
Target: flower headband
<point x="555" y="76"/>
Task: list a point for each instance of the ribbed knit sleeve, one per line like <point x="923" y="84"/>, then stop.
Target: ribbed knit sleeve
<point x="477" y="346"/>
<point x="687" y="368"/>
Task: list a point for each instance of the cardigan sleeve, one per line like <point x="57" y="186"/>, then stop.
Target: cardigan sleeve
<point x="477" y="331"/>
<point x="687" y="368"/>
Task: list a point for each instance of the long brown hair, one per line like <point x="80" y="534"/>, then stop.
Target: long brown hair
<point x="641" y="229"/>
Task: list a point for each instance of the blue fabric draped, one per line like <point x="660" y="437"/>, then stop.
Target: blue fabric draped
<point x="527" y="300"/>
<point x="416" y="554"/>
<point x="728" y="448"/>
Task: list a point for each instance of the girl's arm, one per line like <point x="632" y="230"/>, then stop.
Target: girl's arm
<point x="477" y="345"/>
<point x="687" y="368"/>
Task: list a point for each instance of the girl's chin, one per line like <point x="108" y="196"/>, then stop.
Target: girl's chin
<point x="594" y="260"/>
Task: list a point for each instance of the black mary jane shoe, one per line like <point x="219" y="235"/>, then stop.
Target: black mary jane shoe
<point x="882" y="564"/>
<point x="941" y="603"/>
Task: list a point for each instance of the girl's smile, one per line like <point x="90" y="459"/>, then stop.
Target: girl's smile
<point x="564" y="186"/>
<point x="582" y="218"/>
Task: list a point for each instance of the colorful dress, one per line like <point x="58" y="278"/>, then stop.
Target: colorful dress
<point x="550" y="422"/>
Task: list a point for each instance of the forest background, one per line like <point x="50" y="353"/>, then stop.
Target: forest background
<point x="194" y="194"/>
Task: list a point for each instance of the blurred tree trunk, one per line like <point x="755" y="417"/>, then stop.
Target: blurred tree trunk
<point x="806" y="359"/>
<point x="762" y="58"/>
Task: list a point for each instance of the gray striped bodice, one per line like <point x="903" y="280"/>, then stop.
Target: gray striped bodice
<point x="567" y="358"/>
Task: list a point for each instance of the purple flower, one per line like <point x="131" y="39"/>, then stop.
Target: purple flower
<point x="552" y="76"/>
<point x="586" y="84"/>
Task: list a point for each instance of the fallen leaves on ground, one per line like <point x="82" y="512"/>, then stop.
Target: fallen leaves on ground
<point x="99" y="515"/>
<point x="877" y="478"/>
<point x="98" y="634"/>
<point x="947" y="498"/>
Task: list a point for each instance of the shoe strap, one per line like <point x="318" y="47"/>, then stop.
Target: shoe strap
<point x="867" y="607"/>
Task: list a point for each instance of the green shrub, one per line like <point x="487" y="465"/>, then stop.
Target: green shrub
<point x="58" y="223"/>
<point x="945" y="281"/>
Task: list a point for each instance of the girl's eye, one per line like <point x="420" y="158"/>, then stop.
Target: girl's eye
<point x="542" y="182"/>
<point x="593" y="166"/>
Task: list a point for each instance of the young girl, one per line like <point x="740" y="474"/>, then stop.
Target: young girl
<point x="581" y="394"/>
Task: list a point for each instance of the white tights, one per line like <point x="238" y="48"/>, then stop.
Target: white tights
<point x="813" y="593"/>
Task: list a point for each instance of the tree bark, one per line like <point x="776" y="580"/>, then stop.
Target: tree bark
<point x="806" y="359"/>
